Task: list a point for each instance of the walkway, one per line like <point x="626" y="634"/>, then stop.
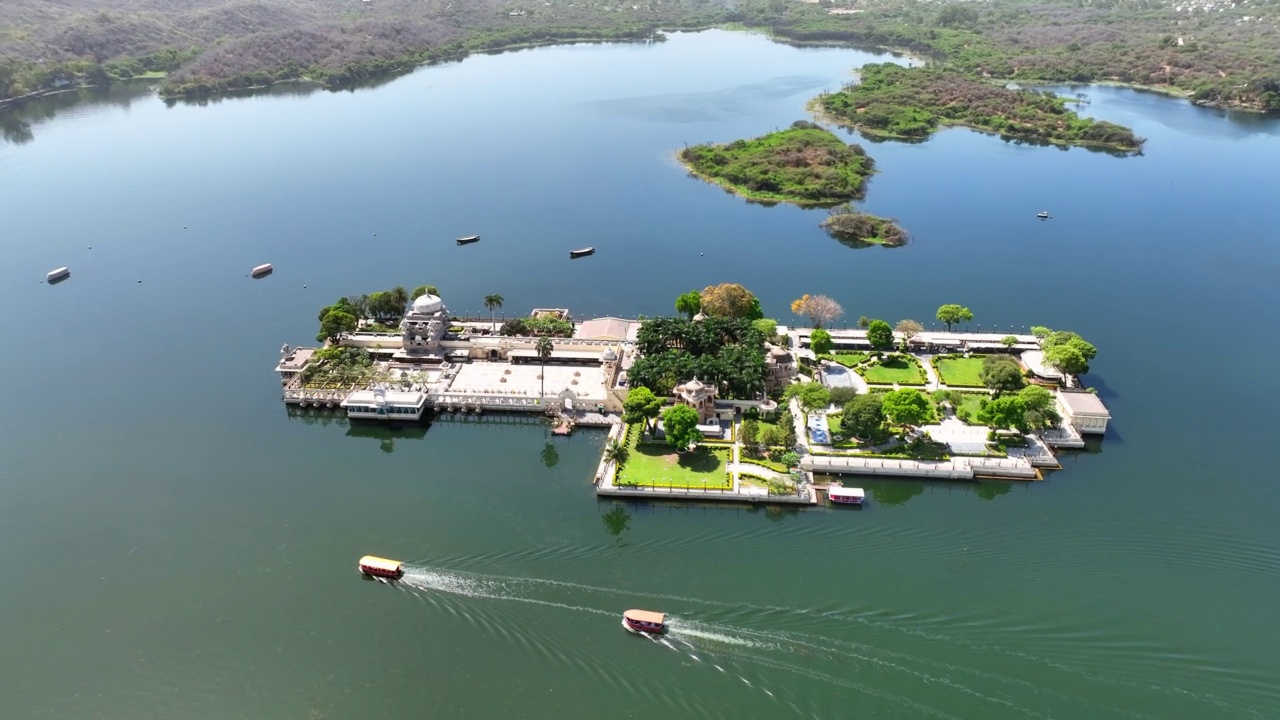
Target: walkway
<point x="959" y="468"/>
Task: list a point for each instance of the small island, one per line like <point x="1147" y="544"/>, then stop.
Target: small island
<point x="804" y="164"/>
<point x="858" y="229"/>
<point x="898" y="102"/>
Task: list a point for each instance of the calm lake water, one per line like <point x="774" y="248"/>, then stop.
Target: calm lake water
<point x="173" y="543"/>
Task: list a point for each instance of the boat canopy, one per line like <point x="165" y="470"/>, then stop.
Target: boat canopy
<point x="645" y="616"/>
<point x="833" y="491"/>
<point x="371" y="561"/>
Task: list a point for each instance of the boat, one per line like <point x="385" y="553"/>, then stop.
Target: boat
<point x="581" y="252"/>
<point x="381" y="567"/>
<point x="468" y="239"/>
<point x="262" y="270"/>
<point x="58" y="275"/>
<point x="1043" y="214"/>
<point x="644" y="621"/>
<point x="845" y="496"/>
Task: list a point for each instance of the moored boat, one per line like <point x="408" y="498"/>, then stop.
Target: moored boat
<point x="374" y="566"/>
<point x="845" y="496"/>
<point x="644" y="621"/>
<point x="581" y="252"/>
<point x="60" y="274"/>
<point x="468" y="239"/>
<point x="1043" y="214"/>
<point x="262" y="270"/>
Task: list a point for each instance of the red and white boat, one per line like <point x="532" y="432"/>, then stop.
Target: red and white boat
<point x="381" y="567"/>
<point x="845" y="496"/>
<point x="644" y="621"/>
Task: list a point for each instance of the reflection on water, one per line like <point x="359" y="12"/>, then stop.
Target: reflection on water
<point x="18" y="120"/>
<point x="617" y="520"/>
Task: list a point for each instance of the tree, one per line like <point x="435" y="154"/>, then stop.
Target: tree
<point x="1040" y="413"/>
<point x="908" y="407"/>
<point x="750" y="436"/>
<point x="334" y="323"/>
<point x="819" y="309"/>
<point x="1040" y="331"/>
<point x="616" y="452"/>
<point x="1008" y="411"/>
<point x="1001" y="374"/>
<point x="493" y="302"/>
<point x="864" y="322"/>
<point x="641" y="405"/>
<point x="811" y="396"/>
<point x="729" y="300"/>
<point x="908" y="329"/>
<point x="1066" y="359"/>
<point x="772" y="436"/>
<point x="423" y="290"/>
<point x="787" y="425"/>
<point x="952" y="315"/>
<point x="842" y="395"/>
<point x="820" y="342"/>
<point x="790" y="459"/>
<point x="767" y="328"/>
<point x="1064" y="338"/>
<point x="680" y="423"/>
<point x="1008" y="341"/>
<point x="863" y="416"/>
<point x="544" y="348"/>
<point x="399" y="300"/>
<point x="880" y="335"/>
<point x="689" y="303"/>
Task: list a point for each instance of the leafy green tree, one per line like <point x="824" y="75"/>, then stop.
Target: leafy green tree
<point x="1041" y="412"/>
<point x="689" y="304"/>
<point x="750" y="436"/>
<point x="820" y="342"/>
<point x="544" y="348"/>
<point x="334" y="323"/>
<point x="811" y="396"/>
<point x="1009" y="341"/>
<point x="1007" y="411"/>
<point x="907" y="407"/>
<point x="787" y="426"/>
<point x="423" y="290"/>
<point x="842" y="395"/>
<point x="399" y="299"/>
<point x="790" y="459"/>
<point x="767" y="327"/>
<point x="493" y="302"/>
<point x="1040" y="331"/>
<point x="864" y="322"/>
<point x="772" y="436"/>
<point x="863" y="416"/>
<point x="952" y="315"/>
<point x="1067" y="359"/>
<point x="680" y="423"/>
<point x="641" y="405"/>
<point x="616" y="452"/>
<point x="1065" y="338"/>
<point x="1001" y="374"/>
<point x="880" y="335"/>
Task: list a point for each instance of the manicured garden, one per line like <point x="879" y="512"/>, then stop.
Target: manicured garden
<point x="899" y="369"/>
<point x="657" y="465"/>
<point x="960" y="371"/>
<point x="847" y="359"/>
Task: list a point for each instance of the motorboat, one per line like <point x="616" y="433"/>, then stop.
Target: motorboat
<point x="58" y="275"/>
<point x="581" y="252"/>
<point x="468" y="239"/>
<point x="374" y="566"/>
<point x="644" y="621"/>
<point x="1043" y="214"/>
<point x="262" y="270"/>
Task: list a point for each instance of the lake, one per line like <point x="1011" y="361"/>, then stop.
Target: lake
<point x="175" y="543"/>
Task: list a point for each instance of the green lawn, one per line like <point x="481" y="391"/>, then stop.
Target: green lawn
<point x="660" y="466"/>
<point x="960" y="371"/>
<point x="894" y="370"/>
<point x="969" y="401"/>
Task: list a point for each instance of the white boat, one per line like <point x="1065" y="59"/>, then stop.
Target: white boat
<point x="845" y="496"/>
<point x="261" y="270"/>
<point x="1043" y="214"/>
<point x="54" y="276"/>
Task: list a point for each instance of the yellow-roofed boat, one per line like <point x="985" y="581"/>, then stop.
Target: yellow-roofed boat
<point x="644" y="621"/>
<point x="381" y="567"/>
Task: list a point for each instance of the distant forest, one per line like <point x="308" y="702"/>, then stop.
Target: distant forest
<point x="1218" y="52"/>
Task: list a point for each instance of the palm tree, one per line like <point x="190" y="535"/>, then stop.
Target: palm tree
<point x="616" y="452"/>
<point x="544" y="348"/>
<point x="493" y="302"/>
<point x="401" y="298"/>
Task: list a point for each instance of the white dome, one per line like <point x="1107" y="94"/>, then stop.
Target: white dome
<point x="693" y="386"/>
<point x="427" y="304"/>
<point x="609" y="355"/>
